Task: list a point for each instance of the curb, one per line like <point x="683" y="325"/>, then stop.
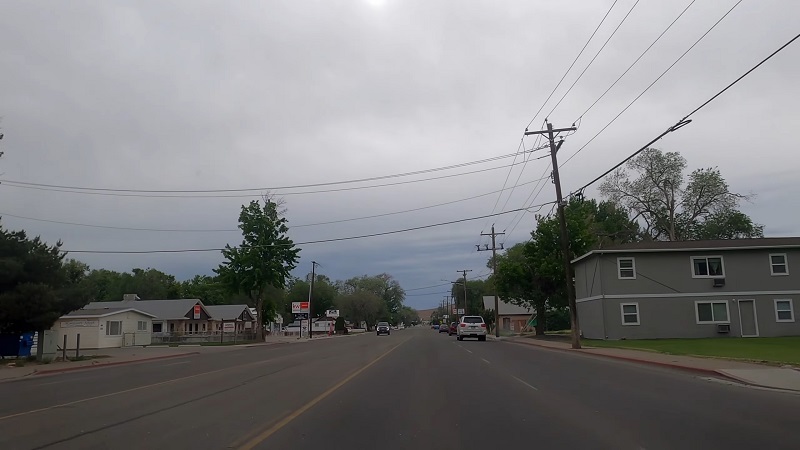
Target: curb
<point x="632" y="359"/>
<point x="109" y="364"/>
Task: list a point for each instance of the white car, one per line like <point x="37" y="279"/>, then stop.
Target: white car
<point x="471" y="326"/>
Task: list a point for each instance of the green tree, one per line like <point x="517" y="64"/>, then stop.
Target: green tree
<point x="36" y="285"/>
<point x="384" y="286"/>
<point x="532" y="274"/>
<point x="265" y="257"/>
<point x="323" y="296"/>
<point x="476" y="289"/>
<point x="673" y="207"/>
<point x="361" y="305"/>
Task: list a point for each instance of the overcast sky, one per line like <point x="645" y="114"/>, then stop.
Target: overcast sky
<point x="199" y="95"/>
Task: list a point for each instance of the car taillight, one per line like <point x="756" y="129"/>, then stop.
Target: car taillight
<point x="463" y="324"/>
<point x="483" y="325"/>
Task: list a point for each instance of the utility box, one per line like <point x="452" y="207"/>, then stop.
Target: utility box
<point x="47" y="347"/>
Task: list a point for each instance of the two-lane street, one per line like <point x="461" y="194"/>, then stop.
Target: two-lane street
<point x="414" y="389"/>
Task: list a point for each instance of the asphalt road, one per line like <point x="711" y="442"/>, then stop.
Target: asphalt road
<point x="415" y="389"/>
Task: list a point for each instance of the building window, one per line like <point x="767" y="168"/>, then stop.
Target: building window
<point x="113" y="328"/>
<point x="778" y="264"/>
<point x="157" y="327"/>
<point x="626" y="269"/>
<point x="712" y="312"/>
<point x="707" y="267"/>
<point x="784" y="310"/>
<point x="630" y="313"/>
<point x="204" y="327"/>
<point x="141" y="325"/>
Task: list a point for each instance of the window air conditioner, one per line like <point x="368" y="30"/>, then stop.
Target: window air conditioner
<point x="719" y="282"/>
<point x="723" y="328"/>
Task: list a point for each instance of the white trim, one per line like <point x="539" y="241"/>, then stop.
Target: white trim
<point x="697" y="249"/>
<point x="708" y="266"/>
<point x="89" y="316"/>
<point x="785" y="264"/>
<point x="791" y="309"/>
<point x="633" y="268"/>
<point x="688" y="294"/>
<point x="711" y="302"/>
<point x="755" y="316"/>
<point x="622" y="313"/>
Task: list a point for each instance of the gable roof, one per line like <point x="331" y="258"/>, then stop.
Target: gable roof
<point x="505" y="309"/>
<point x="691" y="246"/>
<point x="160" y="309"/>
<point x="228" y="312"/>
<point x="102" y="312"/>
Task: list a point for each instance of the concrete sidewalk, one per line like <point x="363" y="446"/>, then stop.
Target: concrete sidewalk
<point x="786" y="378"/>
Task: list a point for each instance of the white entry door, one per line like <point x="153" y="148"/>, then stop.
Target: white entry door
<point x="748" y="320"/>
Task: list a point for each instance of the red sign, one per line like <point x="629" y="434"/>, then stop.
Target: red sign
<point x="196" y="311"/>
<point x="304" y="306"/>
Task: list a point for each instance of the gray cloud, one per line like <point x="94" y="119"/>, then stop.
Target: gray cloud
<point x="204" y="95"/>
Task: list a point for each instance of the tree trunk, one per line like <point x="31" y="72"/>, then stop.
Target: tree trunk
<point x="541" y="319"/>
<point x="260" y="317"/>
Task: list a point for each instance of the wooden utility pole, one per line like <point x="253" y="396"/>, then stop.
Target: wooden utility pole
<point x="314" y="265"/>
<point x="494" y="273"/>
<point x="562" y="222"/>
<point x="464" y="272"/>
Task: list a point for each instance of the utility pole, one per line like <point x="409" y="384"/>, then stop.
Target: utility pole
<point x="494" y="273"/>
<point x="314" y="265"/>
<point x="464" y="273"/>
<point x="562" y="222"/>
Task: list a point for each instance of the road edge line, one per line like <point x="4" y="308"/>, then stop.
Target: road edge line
<point x="111" y="364"/>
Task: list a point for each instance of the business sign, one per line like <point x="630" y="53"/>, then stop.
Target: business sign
<point x="196" y="314"/>
<point x="455" y="311"/>
<point x="332" y="313"/>
<point x="461" y="311"/>
<point x="229" y="327"/>
<point x="299" y="307"/>
<point x="300" y="316"/>
<point x="79" y="323"/>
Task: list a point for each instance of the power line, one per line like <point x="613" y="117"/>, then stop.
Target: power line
<point x="595" y="57"/>
<point x="573" y="63"/>
<point x="427" y="287"/>
<point x="320" y="241"/>
<point x="536" y="143"/>
<point x="352" y="219"/>
<point x="323" y="191"/>
<point x="653" y="83"/>
<point x="637" y="59"/>
<point x="272" y="188"/>
<point x="685" y="120"/>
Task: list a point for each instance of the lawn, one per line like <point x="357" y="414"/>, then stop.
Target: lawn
<point x="775" y="350"/>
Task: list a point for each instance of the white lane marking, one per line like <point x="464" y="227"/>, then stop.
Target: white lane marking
<point x="176" y="363"/>
<point x="487" y="362"/>
<point x="526" y="384"/>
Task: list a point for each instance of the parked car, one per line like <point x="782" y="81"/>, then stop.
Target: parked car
<point x="435" y="326"/>
<point x="443" y="328"/>
<point x="453" y="329"/>
<point x="383" y="328"/>
<point x="471" y="326"/>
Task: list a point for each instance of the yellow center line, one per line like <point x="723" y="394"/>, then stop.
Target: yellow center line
<point x="286" y="420"/>
<point x="138" y="388"/>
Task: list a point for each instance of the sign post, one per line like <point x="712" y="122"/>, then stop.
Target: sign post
<point x="301" y="311"/>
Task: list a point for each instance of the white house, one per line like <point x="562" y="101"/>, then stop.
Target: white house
<point x="105" y="328"/>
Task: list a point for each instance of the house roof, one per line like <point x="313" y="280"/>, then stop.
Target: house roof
<point x="690" y="246"/>
<point x="505" y="309"/>
<point x="161" y="309"/>
<point x="227" y="312"/>
<point x="102" y="312"/>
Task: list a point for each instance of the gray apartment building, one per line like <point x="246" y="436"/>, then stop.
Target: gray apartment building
<point x="691" y="289"/>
